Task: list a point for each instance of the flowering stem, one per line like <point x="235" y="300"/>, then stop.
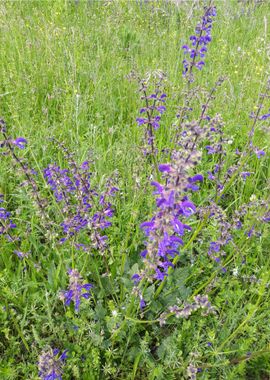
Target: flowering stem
<point x="176" y="259"/>
<point x="35" y="192"/>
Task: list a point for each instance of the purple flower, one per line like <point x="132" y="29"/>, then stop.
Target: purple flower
<point x="199" y="41"/>
<point x="6" y="223"/>
<point x="264" y="117"/>
<point x="250" y="233"/>
<point x="72" y="187"/>
<point x="188" y="208"/>
<point x="136" y="278"/>
<point x="244" y="175"/>
<point x="21" y="255"/>
<point x="164" y="168"/>
<point x="196" y="178"/>
<point x="167" y="227"/>
<point x="152" y="109"/>
<point x="4" y="214"/>
<point x="142" y="303"/>
<point x="85" y="165"/>
<point x="259" y="153"/>
<point x="20" y="142"/>
<point x="50" y="364"/>
<point x="161" y="109"/>
<point x="76" y="290"/>
<point x="141" y="120"/>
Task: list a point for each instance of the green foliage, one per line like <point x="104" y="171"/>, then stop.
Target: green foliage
<point x="64" y="68"/>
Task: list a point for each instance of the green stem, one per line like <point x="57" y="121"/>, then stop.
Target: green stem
<point x="20" y="332"/>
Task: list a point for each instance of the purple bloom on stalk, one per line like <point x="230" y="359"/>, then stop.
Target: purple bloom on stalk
<point x="196" y="178"/>
<point x="4" y="214"/>
<point x="20" y="142"/>
<point x="211" y="176"/>
<point x="21" y="255"/>
<point x="141" y="120"/>
<point x="264" y="117"/>
<point x="214" y="246"/>
<point x="152" y="109"/>
<point x="250" y="233"/>
<point x="85" y="165"/>
<point x="5" y="222"/>
<point x="199" y="41"/>
<point x="244" y="175"/>
<point x="191" y="371"/>
<point x="50" y="364"/>
<point x="136" y="278"/>
<point x="259" y="153"/>
<point x="76" y="290"/>
<point x="164" y="168"/>
<point x="161" y="109"/>
<point x="142" y="303"/>
<point x="192" y="180"/>
<point x="72" y="187"/>
<point x="167" y="227"/>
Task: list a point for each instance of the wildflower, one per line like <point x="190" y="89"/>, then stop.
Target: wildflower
<point x="153" y="109"/>
<point x="199" y="41"/>
<point x="166" y="229"/>
<point x="6" y="223"/>
<point x="21" y="255"/>
<point x="19" y="142"/>
<point x="192" y="371"/>
<point x="72" y="188"/>
<point x="259" y="153"/>
<point x="244" y="175"/>
<point x="50" y="364"/>
<point x="76" y="290"/>
<point x="186" y="309"/>
<point x="265" y="116"/>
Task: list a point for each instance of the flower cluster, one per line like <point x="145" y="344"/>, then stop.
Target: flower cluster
<point x="200" y="302"/>
<point x="199" y="43"/>
<point x="192" y="371"/>
<point x="167" y="227"/>
<point x="76" y="290"/>
<point x="82" y="207"/>
<point x="153" y="109"/>
<point x="50" y="364"/>
<point x="6" y="223"/>
<point x="9" y="144"/>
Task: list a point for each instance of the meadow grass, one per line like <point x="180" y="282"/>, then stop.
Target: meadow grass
<point x="64" y="72"/>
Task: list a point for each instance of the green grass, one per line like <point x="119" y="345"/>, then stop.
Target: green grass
<point x="64" y="72"/>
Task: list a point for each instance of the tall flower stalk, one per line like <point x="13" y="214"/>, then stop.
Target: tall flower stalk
<point x="199" y="41"/>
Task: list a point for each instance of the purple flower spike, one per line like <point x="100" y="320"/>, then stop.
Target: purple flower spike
<point x="50" y="364"/>
<point x="152" y="110"/>
<point x="20" y="142"/>
<point x="199" y="41"/>
<point x="76" y="290"/>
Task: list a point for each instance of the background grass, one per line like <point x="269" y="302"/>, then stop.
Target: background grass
<point x="63" y="71"/>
